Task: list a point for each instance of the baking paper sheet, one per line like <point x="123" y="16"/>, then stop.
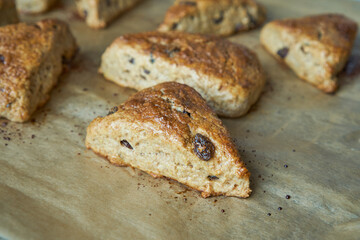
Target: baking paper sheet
<point x="51" y="187"/>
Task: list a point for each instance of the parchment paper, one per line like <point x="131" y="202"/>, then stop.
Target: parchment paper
<point x="51" y="187"/>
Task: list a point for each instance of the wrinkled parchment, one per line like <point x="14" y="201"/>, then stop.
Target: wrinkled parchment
<point x="51" y="187"/>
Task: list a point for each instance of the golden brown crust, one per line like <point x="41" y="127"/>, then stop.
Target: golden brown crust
<point x="333" y="30"/>
<point x="24" y="48"/>
<point x="177" y="112"/>
<point x="234" y="63"/>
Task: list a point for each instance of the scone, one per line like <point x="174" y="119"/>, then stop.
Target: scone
<point x="34" y="6"/>
<point x="213" y="16"/>
<point x="229" y="76"/>
<point x="168" y="130"/>
<point x="31" y="58"/>
<point x="8" y="13"/>
<point x="98" y="13"/>
<point x="316" y="48"/>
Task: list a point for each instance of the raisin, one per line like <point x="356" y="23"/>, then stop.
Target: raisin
<point x="65" y="61"/>
<point x="283" y="52"/>
<point x="113" y="110"/>
<point x="188" y="3"/>
<point x="85" y="13"/>
<point x="37" y="26"/>
<point x="252" y="21"/>
<point x="174" y="26"/>
<point x="2" y="59"/>
<point x="203" y="147"/>
<point x="239" y="27"/>
<point x="152" y="59"/>
<point x="8" y="105"/>
<point x="146" y="71"/>
<point x="212" y="177"/>
<point x="219" y="19"/>
<point x="187" y="113"/>
<point x="170" y="52"/>
<point x="319" y="35"/>
<point x="132" y="60"/>
<point x="108" y="3"/>
<point x="126" y="144"/>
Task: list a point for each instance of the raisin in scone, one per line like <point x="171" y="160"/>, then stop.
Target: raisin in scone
<point x="316" y="48"/>
<point x="31" y="58"/>
<point x="34" y="6"/>
<point x="228" y="75"/>
<point x="213" y="16"/>
<point x="99" y="13"/>
<point x="8" y="13"/>
<point x="168" y="130"/>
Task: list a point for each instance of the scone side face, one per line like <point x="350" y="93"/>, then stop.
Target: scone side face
<point x="130" y="133"/>
<point x="89" y="10"/>
<point x="34" y="7"/>
<point x="141" y="70"/>
<point x="124" y="149"/>
<point x="151" y="58"/>
<point x="14" y="101"/>
<point x="213" y="17"/>
<point x="295" y="52"/>
<point x="98" y="14"/>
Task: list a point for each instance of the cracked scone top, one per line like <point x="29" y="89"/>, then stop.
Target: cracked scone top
<point x="168" y="130"/>
<point x="31" y="60"/>
<point x="315" y="47"/>
<point x="229" y="76"/>
<point x="213" y="16"/>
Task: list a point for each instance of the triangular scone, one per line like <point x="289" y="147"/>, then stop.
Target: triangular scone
<point x="168" y="130"/>
<point x="229" y="76"/>
<point x="99" y="13"/>
<point x="31" y="60"/>
<point x="34" y="6"/>
<point x="213" y="16"/>
<point x="8" y="13"/>
<point x="316" y="48"/>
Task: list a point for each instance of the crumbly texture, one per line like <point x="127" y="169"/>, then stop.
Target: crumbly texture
<point x="34" y="6"/>
<point x="31" y="58"/>
<point x="168" y="130"/>
<point x="99" y="13"/>
<point x="8" y="13"/>
<point x="229" y="76"/>
<point x="214" y="17"/>
<point x="316" y="48"/>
